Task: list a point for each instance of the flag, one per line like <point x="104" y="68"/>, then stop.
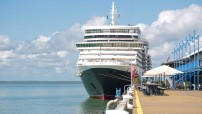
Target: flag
<point x="133" y="71"/>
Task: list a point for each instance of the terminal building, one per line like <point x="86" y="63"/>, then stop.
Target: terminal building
<point x="187" y="57"/>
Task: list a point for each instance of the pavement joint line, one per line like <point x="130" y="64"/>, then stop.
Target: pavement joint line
<point x="138" y="105"/>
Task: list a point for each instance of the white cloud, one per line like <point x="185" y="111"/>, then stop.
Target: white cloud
<point x="45" y="55"/>
<point x="41" y="43"/>
<point x="62" y="53"/>
<point x="6" y="54"/>
<point x="142" y="27"/>
<point x="171" y="27"/>
<point x="6" y="43"/>
<point x="95" y="21"/>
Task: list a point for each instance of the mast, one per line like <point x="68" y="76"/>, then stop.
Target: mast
<point x="113" y="14"/>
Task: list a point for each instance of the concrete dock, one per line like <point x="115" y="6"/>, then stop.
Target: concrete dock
<point x="172" y="102"/>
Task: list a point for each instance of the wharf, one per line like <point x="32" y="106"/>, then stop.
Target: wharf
<point x="172" y="102"/>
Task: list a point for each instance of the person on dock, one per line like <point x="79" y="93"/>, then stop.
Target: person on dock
<point x="184" y="85"/>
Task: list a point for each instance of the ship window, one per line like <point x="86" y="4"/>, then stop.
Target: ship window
<point x="111" y="31"/>
<point x="110" y="45"/>
<point x="109" y="36"/>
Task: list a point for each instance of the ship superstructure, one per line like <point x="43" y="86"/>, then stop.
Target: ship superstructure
<point x="107" y="54"/>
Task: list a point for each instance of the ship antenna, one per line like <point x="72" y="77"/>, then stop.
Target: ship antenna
<point x="113" y="14"/>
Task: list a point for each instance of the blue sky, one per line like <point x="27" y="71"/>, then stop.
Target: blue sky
<point x="23" y="20"/>
<point x="38" y="36"/>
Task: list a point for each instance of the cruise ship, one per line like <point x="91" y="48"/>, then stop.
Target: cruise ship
<point x="107" y="54"/>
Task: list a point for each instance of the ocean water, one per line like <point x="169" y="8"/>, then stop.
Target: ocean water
<point x="47" y="98"/>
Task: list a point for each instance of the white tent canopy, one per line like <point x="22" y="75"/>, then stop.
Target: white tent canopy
<point x="164" y="70"/>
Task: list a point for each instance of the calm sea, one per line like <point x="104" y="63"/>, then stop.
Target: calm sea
<point x="47" y="98"/>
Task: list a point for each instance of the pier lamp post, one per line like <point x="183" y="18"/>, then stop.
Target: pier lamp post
<point x="184" y="45"/>
<point x="177" y="63"/>
<point x="173" y="76"/>
<point x="187" y="54"/>
<point x="183" y="65"/>
<point x="173" y="57"/>
<point x="173" y="52"/>
<point x="193" y="39"/>
<point x="186" y="64"/>
<point x="198" y="62"/>
<point x="180" y="60"/>
<point x="190" y="63"/>
<point x="186" y="57"/>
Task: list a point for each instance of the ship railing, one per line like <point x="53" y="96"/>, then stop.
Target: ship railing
<point x="102" y="62"/>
